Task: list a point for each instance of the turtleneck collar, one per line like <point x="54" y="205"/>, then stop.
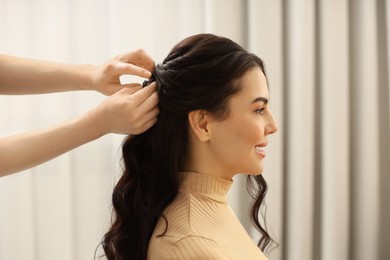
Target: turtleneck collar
<point x="205" y="185"/>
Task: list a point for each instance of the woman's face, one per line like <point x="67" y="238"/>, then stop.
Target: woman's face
<point x="238" y="142"/>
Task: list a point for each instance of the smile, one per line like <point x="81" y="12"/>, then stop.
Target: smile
<point x="259" y="149"/>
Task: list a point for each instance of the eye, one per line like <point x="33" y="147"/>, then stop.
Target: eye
<point x="260" y="111"/>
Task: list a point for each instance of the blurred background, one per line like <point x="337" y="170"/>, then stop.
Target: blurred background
<point x="328" y="167"/>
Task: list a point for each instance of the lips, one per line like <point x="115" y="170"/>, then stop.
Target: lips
<point x="259" y="149"/>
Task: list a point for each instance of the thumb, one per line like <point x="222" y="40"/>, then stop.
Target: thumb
<point x="121" y="68"/>
<point x="144" y="93"/>
<point x="129" y="89"/>
<point x="132" y="87"/>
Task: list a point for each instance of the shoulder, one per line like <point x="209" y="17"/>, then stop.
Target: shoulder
<point x="197" y="247"/>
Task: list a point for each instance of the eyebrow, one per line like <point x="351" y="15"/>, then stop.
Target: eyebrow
<point x="260" y="99"/>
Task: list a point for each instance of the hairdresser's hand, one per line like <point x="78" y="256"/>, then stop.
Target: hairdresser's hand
<point x="129" y="111"/>
<point x="105" y="78"/>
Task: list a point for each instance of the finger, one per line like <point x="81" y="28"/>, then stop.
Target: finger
<point x="129" y="88"/>
<point x="153" y="113"/>
<point x="147" y="126"/>
<point x="126" y="91"/>
<point x="132" y="87"/>
<point x="127" y="68"/>
<point x="138" y="57"/>
<point x="141" y="95"/>
<point x="149" y="103"/>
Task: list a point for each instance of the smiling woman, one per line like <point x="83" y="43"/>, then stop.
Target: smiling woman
<point x="214" y="121"/>
<point x="235" y="145"/>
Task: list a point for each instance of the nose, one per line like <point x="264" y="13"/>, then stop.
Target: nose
<point x="272" y="126"/>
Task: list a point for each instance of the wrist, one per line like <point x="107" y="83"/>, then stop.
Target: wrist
<point x="95" y="123"/>
<point x="88" y="82"/>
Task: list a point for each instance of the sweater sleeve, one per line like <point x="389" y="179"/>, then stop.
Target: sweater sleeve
<point x="197" y="248"/>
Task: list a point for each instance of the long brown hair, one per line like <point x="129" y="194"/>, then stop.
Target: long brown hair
<point x="200" y="72"/>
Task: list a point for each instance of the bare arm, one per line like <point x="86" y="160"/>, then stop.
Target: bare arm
<point x="130" y="110"/>
<point x="27" y="76"/>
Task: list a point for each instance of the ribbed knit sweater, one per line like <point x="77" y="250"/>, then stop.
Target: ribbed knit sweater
<point x="201" y="225"/>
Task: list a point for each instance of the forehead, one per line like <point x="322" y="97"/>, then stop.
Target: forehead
<point x="253" y="85"/>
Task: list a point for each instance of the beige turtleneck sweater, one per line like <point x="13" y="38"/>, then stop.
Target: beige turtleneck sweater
<point x="201" y="225"/>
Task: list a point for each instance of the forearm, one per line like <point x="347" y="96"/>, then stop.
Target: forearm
<point x="28" y="76"/>
<point x="23" y="151"/>
<point x="128" y="111"/>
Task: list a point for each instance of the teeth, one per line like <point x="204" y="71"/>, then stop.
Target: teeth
<point x="258" y="148"/>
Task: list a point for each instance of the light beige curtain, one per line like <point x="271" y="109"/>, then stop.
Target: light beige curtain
<point x="328" y="167"/>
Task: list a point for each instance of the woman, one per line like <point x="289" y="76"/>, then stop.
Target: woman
<point x="214" y="121"/>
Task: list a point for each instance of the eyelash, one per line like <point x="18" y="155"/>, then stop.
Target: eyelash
<point x="260" y="111"/>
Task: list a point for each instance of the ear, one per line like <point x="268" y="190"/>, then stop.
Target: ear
<point x="199" y="124"/>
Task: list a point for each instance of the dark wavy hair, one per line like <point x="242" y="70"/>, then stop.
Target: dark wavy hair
<point x="201" y="72"/>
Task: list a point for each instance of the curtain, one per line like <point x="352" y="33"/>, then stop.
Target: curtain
<point x="328" y="168"/>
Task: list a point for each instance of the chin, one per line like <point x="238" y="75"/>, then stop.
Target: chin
<point x="254" y="171"/>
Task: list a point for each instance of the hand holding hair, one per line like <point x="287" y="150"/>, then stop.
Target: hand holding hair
<point x="130" y="109"/>
<point x="19" y="76"/>
<point x="105" y="78"/>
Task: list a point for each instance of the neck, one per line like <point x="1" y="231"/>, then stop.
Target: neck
<point x="201" y="160"/>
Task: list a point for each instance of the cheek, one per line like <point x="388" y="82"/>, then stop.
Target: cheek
<point x="241" y="134"/>
<point x="249" y="131"/>
<point x="233" y="145"/>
